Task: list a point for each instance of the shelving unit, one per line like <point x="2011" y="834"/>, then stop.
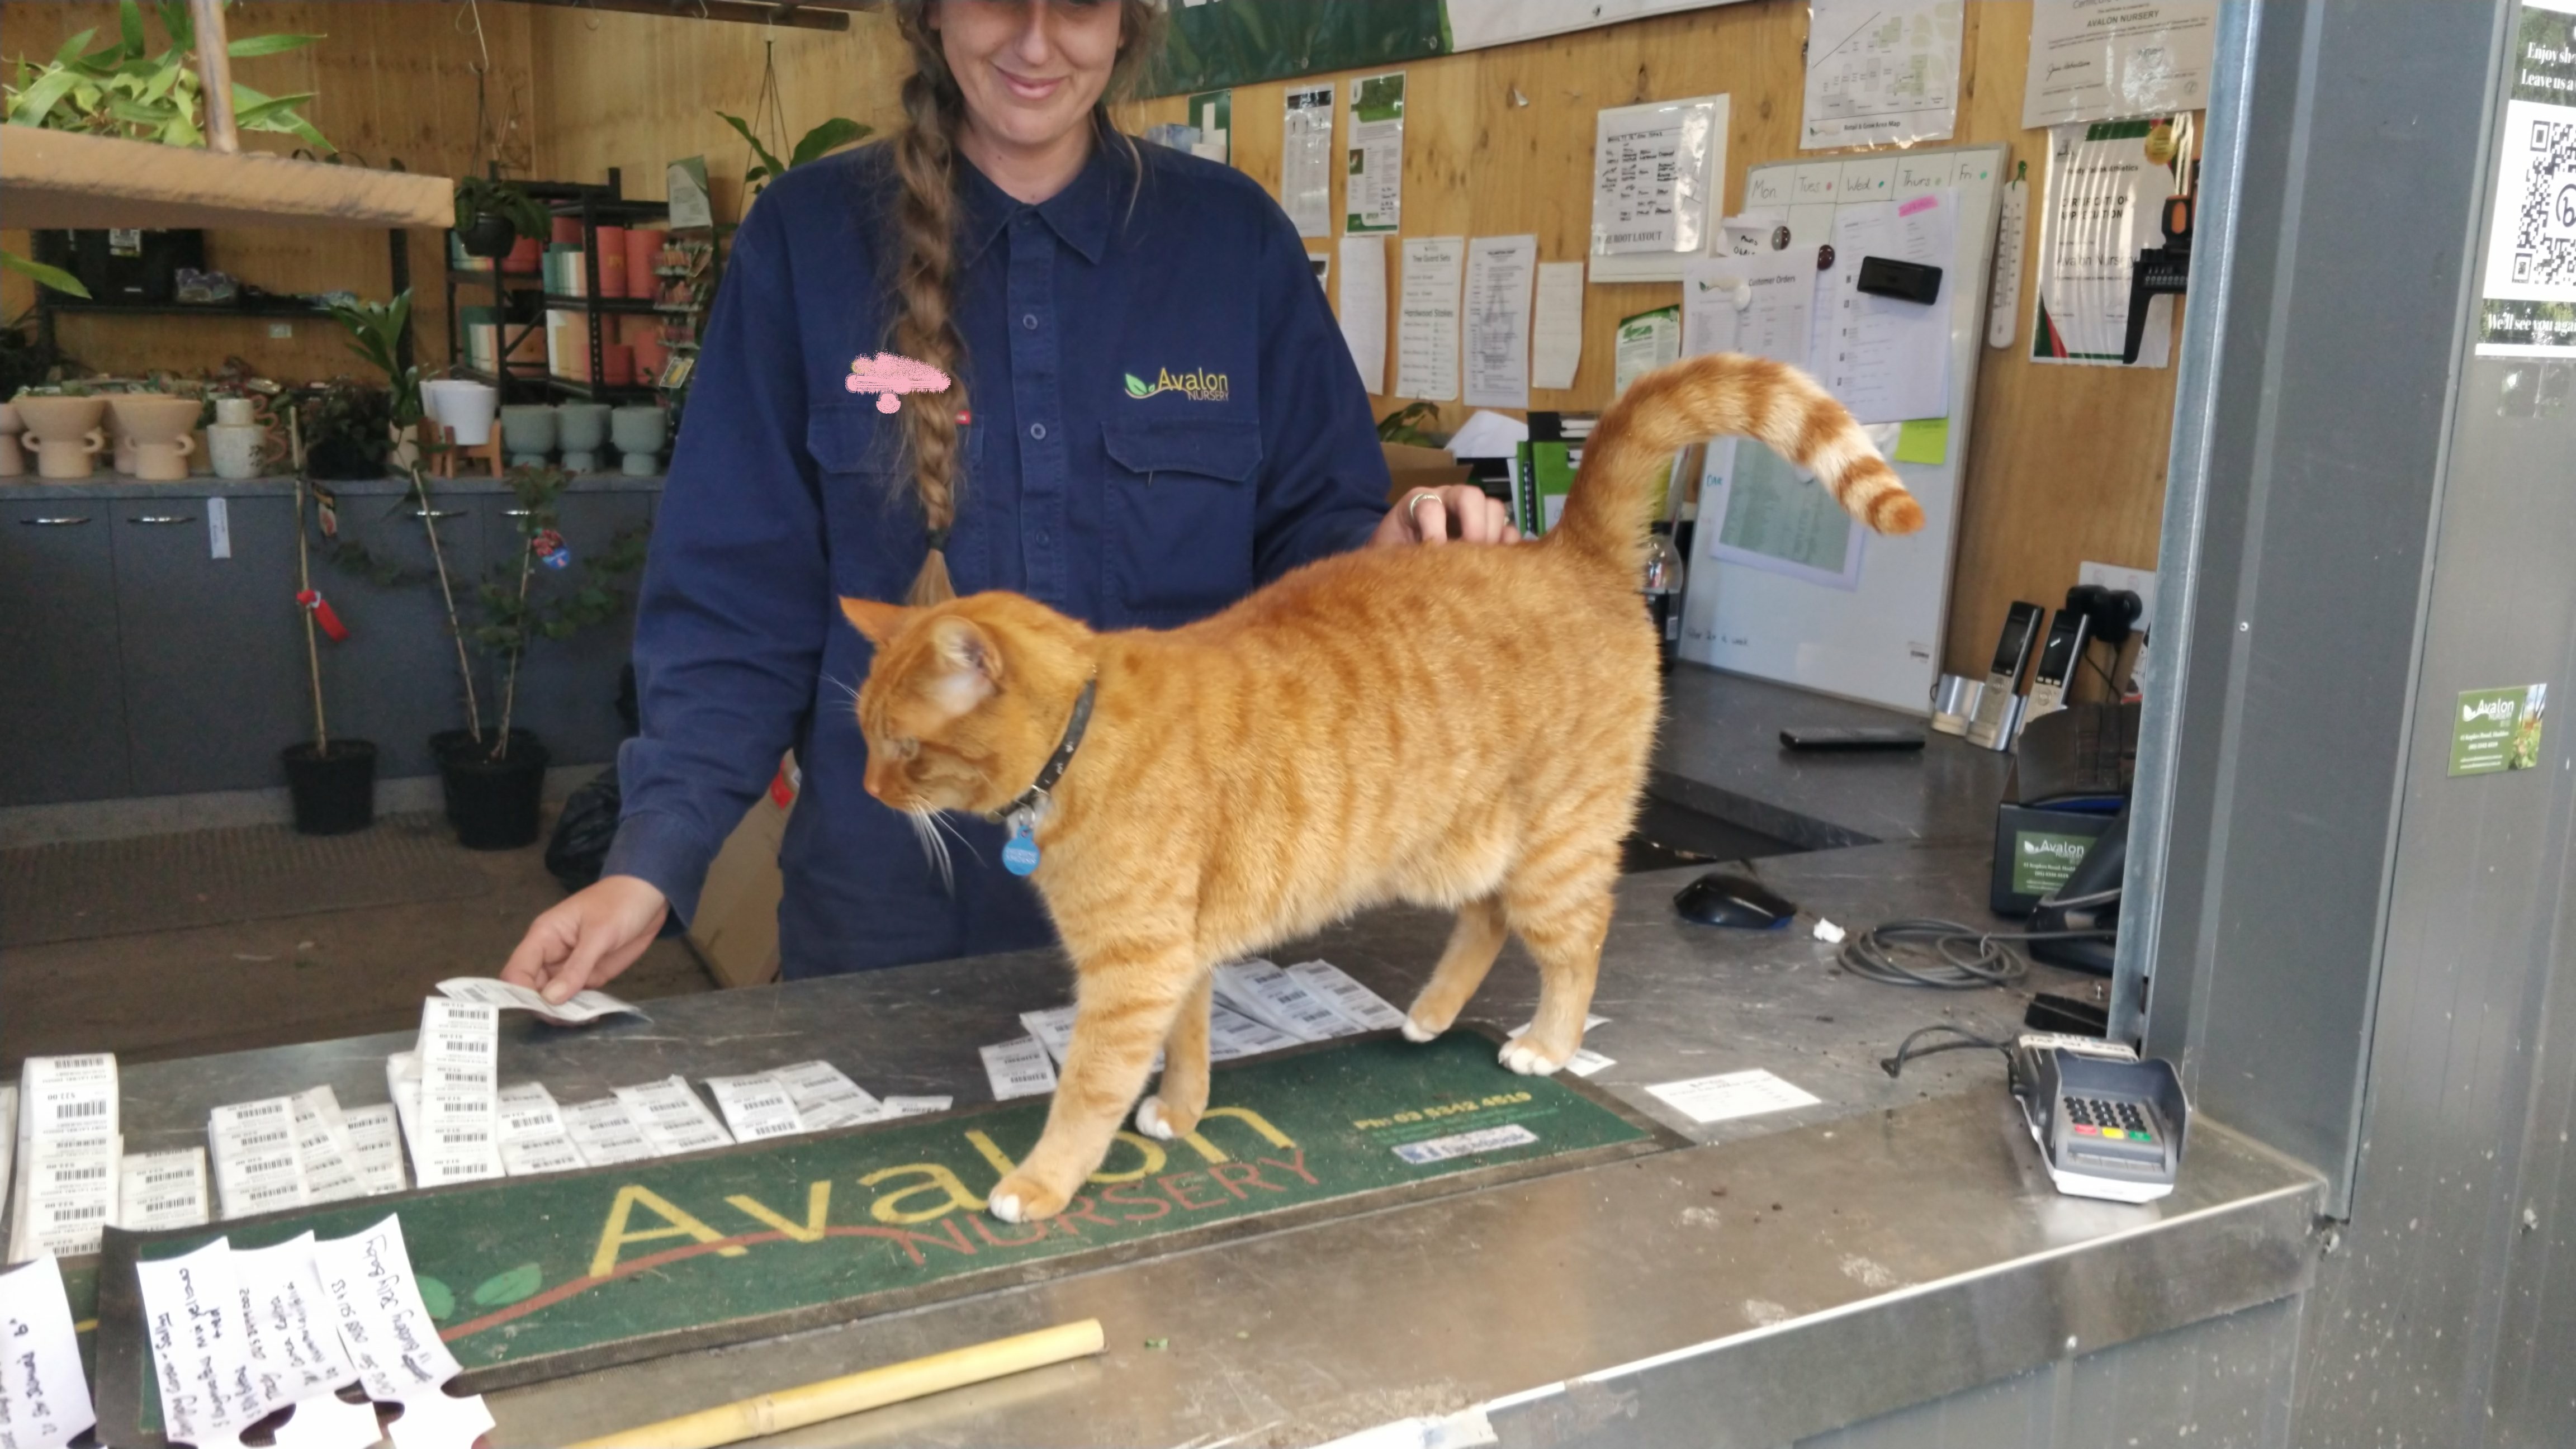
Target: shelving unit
<point x="595" y="205"/>
<point x="51" y="304"/>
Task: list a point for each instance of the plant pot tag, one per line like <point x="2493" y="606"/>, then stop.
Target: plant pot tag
<point x="327" y="507"/>
<point x="323" y="614"/>
<point x="550" y="549"/>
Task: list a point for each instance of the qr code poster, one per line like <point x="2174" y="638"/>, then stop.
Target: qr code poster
<point x="2530" y="294"/>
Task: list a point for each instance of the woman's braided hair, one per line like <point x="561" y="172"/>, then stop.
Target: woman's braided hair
<point x="925" y="259"/>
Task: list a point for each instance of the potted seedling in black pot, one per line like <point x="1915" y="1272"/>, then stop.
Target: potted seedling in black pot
<point x="496" y="784"/>
<point x="332" y="783"/>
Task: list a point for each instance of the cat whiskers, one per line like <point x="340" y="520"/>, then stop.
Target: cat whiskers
<point x="925" y="828"/>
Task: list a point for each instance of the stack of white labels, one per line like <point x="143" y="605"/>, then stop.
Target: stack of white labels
<point x="68" y="1151"/>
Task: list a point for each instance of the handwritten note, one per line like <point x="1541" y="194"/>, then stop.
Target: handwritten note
<point x="192" y="1324"/>
<point x="374" y="1300"/>
<point x="44" y="1401"/>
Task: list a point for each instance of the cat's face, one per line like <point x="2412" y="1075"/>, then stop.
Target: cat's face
<point x="945" y="707"/>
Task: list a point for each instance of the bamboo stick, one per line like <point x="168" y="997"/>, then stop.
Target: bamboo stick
<point x="855" y="1393"/>
<point x="304" y="585"/>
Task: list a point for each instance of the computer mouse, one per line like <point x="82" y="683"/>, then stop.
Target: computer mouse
<point x="1721" y="899"/>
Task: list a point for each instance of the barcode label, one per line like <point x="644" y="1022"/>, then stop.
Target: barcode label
<point x="79" y="1212"/>
<point x="73" y="1111"/>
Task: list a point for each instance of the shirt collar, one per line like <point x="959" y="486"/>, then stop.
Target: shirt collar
<point x="1079" y="214"/>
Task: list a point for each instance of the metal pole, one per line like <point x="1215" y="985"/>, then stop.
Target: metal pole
<point x="215" y="75"/>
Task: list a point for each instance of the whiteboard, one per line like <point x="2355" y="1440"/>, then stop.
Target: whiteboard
<point x="1876" y="637"/>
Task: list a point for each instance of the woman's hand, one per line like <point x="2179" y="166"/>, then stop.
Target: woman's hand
<point x="1435" y="515"/>
<point x="595" y="933"/>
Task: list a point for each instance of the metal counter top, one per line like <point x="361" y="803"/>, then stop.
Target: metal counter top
<point x="1896" y="1242"/>
<point x="206" y="485"/>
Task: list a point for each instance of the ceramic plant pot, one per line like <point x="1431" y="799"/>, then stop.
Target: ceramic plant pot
<point x="65" y="432"/>
<point x="462" y="406"/>
<point x="239" y="450"/>
<point x="639" y="433"/>
<point x="153" y="431"/>
<point x="528" y="431"/>
<point x="582" y="428"/>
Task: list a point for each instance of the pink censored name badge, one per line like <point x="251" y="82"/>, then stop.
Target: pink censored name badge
<point x="890" y="375"/>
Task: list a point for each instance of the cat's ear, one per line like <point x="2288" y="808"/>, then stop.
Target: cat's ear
<point x="970" y="666"/>
<point x="879" y="622"/>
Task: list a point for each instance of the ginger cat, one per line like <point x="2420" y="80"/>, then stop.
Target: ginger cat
<point x="1461" y="727"/>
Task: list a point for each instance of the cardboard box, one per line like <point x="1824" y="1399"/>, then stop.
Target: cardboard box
<point x="736" y="928"/>
<point x="1409" y="467"/>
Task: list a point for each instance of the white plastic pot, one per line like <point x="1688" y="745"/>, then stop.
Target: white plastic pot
<point x="462" y="406"/>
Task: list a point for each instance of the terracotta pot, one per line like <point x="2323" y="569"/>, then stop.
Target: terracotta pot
<point x="153" y="430"/>
<point x="65" y="432"/>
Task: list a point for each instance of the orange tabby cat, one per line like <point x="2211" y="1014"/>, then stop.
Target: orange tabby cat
<point x="1462" y="727"/>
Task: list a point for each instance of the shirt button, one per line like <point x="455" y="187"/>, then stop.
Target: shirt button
<point x="1029" y="320"/>
<point x="1037" y="430"/>
<point x="1044" y="538"/>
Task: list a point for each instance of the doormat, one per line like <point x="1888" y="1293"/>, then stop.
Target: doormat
<point x="539" y="1277"/>
<point x="81" y="890"/>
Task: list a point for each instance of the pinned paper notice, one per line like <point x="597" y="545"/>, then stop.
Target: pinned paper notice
<point x="1363" y="308"/>
<point x="44" y="1401"/>
<point x="1556" y="327"/>
<point x="1924" y="440"/>
<point x="1730" y="1095"/>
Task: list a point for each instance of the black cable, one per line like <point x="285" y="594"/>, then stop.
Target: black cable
<point x="1872" y="954"/>
<point x="1905" y="1051"/>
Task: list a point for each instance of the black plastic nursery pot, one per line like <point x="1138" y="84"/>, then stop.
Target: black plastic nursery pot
<point x="494" y="804"/>
<point x="491" y="235"/>
<point x="334" y="790"/>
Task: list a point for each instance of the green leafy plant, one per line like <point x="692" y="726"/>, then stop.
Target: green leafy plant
<point x="1404" y="425"/>
<point x="125" y="89"/>
<point x="822" y="141"/>
<point x="512" y="620"/>
<point x="375" y="336"/>
<point x="479" y="196"/>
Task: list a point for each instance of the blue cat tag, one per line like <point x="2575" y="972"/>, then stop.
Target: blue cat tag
<point x="1020" y="852"/>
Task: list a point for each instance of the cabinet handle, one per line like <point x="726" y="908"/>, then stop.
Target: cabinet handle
<point x="53" y="522"/>
<point x="514" y="513"/>
<point x="164" y="518"/>
<point x="434" y="514"/>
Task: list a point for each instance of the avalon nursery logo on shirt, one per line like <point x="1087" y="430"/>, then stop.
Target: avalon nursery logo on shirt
<point x="1197" y="386"/>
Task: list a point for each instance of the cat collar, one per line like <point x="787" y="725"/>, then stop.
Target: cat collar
<point x="1036" y="794"/>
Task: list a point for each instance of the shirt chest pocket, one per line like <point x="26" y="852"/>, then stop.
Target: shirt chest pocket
<point x="869" y="504"/>
<point x="1181" y="510"/>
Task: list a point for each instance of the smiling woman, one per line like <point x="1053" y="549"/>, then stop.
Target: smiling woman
<point x="1148" y="412"/>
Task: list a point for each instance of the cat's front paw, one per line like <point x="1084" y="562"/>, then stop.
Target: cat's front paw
<point x="1162" y="1121"/>
<point x="1526" y="1057"/>
<point x="1021" y="1198"/>
<point x="1416" y="1029"/>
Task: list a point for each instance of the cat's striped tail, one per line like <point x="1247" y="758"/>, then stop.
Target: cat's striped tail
<point x="1712" y="396"/>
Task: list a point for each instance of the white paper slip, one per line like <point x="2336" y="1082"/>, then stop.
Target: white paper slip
<point x="44" y="1400"/>
<point x="157" y="1190"/>
<point x="917" y="1106"/>
<point x="1586" y="1061"/>
<point x="378" y="1148"/>
<point x="257" y="1169"/>
<point x="1729" y="1095"/>
<point x="375" y="1302"/>
<point x="1231" y="1034"/>
<point x="1348" y="996"/>
<point x="324" y="1147"/>
<point x="1052" y="1029"/>
<point x="8" y="1140"/>
<point x="672" y="1118"/>
<point x="757" y="1107"/>
<point x="534" y="1138"/>
<point x="1556" y="328"/>
<point x="1260" y="990"/>
<point x="606" y="1134"/>
<point x="1589" y="1022"/>
<point x="293" y="1349"/>
<point x="825" y="1098"/>
<point x="581" y="1009"/>
<point x="192" y="1324"/>
<point x="1018" y="1069"/>
<point x="1466" y="1144"/>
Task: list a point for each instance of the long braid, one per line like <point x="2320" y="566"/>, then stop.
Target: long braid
<point x="925" y="272"/>
<point x="925" y="328"/>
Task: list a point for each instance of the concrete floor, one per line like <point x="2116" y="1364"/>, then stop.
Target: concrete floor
<point x="290" y="979"/>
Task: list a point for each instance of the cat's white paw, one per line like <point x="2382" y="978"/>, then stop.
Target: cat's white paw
<point x="1529" y="1061"/>
<point x="1005" y="1205"/>
<point x="1416" y="1031"/>
<point x="1151" y="1121"/>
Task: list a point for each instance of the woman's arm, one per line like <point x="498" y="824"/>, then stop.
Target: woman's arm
<point x="729" y="628"/>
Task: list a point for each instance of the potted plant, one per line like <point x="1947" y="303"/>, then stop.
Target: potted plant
<point x="491" y="216"/>
<point x="495" y="785"/>
<point x="347" y="428"/>
<point x="332" y="783"/>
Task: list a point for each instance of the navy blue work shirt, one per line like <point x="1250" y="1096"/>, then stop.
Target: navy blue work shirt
<point x="1164" y="417"/>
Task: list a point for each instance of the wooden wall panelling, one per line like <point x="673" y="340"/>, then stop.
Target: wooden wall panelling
<point x="392" y="82"/>
<point x="640" y="91"/>
<point x="2069" y="462"/>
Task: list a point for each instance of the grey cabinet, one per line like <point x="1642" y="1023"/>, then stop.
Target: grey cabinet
<point x="62" y="703"/>
<point x="210" y="648"/>
<point x="395" y="680"/>
<point x="568" y="687"/>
